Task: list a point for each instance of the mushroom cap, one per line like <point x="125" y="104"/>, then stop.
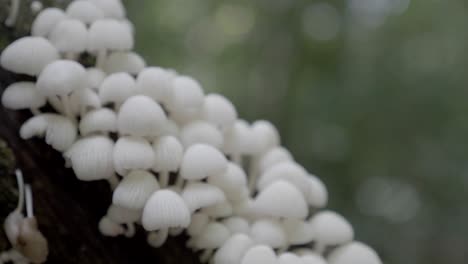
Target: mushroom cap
<point x="116" y="88"/>
<point x="59" y="131"/>
<point x="288" y="171"/>
<point x="61" y="77"/>
<point x="109" y="228"/>
<point x="168" y="152"/>
<point x="354" y="252"/>
<point x="135" y="189"/>
<point x="232" y="181"/>
<point x="132" y="153"/>
<point x="281" y="199"/>
<point x="22" y="95"/>
<point x="109" y="34"/>
<point x="219" y="210"/>
<point x="83" y="100"/>
<point x="317" y="195"/>
<point x="95" y="77"/>
<point x="198" y="224"/>
<point x="259" y="254"/>
<point x="69" y="35"/>
<point x="273" y="157"/>
<point x="187" y="94"/>
<point x="91" y="158"/>
<point x="156" y="83"/>
<point x="111" y="8"/>
<point x="201" y="161"/>
<point x="171" y="129"/>
<point x="268" y="232"/>
<point x="165" y="209"/>
<point x="99" y="120"/>
<point x="139" y="115"/>
<point x="219" y="111"/>
<point x="232" y="251"/>
<point x="313" y="259"/>
<point x="46" y="21"/>
<point x="237" y="224"/>
<point x="201" y="132"/>
<point x="123" y="215"/>
<point x="289" y="258"/>
<point x="331" y="228"/>
<point x="85" y="11"/>
<point x="129" y="62"/>
<point x="299" y="232"/>
<point x="238" y="138"/>
<point x="266" y="136"/>
<point x="197" y="195"/>
<point x="28" y="55"/>
<point x="213" y="236"/>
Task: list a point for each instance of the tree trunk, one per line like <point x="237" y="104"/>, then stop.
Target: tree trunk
<point x="68" y="210"/>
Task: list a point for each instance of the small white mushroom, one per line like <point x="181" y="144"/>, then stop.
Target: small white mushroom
<point x="232" y="181"/>
<point x="156" y="83"/>
<point x="266" y="136"/>
<point x="219" y="111"/>
<point x="69" y="36"/>
<point x="289" y="258"/>
<point x="219" y="210"/>
<point x="129" y="62"/>
<point x="101" y="120"/>
<point x="213" y="236"/>
<point x="281" y="199"/>
<point x="330" y="229"/>
<point x="141" y="116"/>
<point x="108" y="35"/>
<point x="28" y="55"/>
<point x="272" y="157"/>
<point x="91" y="158"/>
<point x="135" y="189"/>
<point x="132" y="153"/>
<point x="198" y="224"/>
<point x="46" y="21"/>
<point x="233" y="250"/>
<point x="111" y="8"/>
<point x="165" y="209"/>
<point x="85" y="11"/>
<point x="168" y="156"/>
<point x="198" y="195"/>
<point x="187" y="95"/>
<point x="59" y="79"/>
<point x="201" y="161"/>
<point x="259" y="254"/>
<point x="299" y="232"/>
<point x="59" y="131"/>
<point x="354" y="252"/>
<point x="238" y="141"/>
<point x="116" y="88"/>
<point x="237" y="224"/>
<point x="95" y="77"/>
<point x="313" y="259"/>
<point x="268" y="232"/>
<point x="23" y="95"/>
<point x="124" y="215"/>
<point x="109" y="228"/>
<point x="317" y="196"/>
<point x="201" y="132"/>
<point x="83" y="100"/>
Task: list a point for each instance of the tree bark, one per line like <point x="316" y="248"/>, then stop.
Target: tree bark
<point x="68" y="210"/>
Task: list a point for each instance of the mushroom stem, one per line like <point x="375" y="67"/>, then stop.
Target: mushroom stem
<point x="179" y="182"/>
<point x="66" y="107"/>
<point x="130" y="230"/>
<point x="14" y="8"/>
<point x="253" y="174"/>
<point x="100" y="58"/>
<point x="35" y="111"/>
<point x="163" y="178"/>
<point x="157" y="239"/>
<point x="176" y="231"/>
<point x="29" y="201"/>
<point x="113" y="181"/>
<point x="69" y="56"/>
<point x="20" y="180"/>
<point x="206" y="255"/>
<point x="319" y="248"/>
<point x="56" y="104"/>
<point x="237" y="158"/>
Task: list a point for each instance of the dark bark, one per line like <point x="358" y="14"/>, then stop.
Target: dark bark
<point x="67" y="210"/>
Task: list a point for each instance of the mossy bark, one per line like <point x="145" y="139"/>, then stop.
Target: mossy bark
<point x="67" y="210"/>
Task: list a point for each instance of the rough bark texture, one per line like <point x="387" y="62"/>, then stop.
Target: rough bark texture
<point x="68" y="210"/>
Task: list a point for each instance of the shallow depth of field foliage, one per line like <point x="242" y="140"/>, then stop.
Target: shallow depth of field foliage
<point x="370" y="95"/>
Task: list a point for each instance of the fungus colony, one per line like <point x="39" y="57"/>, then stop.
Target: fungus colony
<point x="178" y="160"/>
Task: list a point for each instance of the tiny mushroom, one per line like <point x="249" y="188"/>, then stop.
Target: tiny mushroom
<point x="198" y="195"/>
<point x="132" y="153"/>
<point x="23" y="95"/>
<point x="213" y="236"/>
<point x="232" y="251"/>
<point x="95" y="77"/>
<point x="116" y="88"/>
<point x="219" y="111"/>
<point x="238" y="141"/>
<point x="85" y="11"/>
<point x="299" y="232"/>
<point x="289" y="258"/>
<point x="124" y="61"/>
<point x="135" y="189"/>
<point x="259" y="254"/>
<point x="83" y="100"/>
<point x="101" y="120"/>
<point x="156" y="83"/>
<point x="46" y="21"/>
<point x="354" y="252"/>
<point x="313" y="259"/>
<point x="187" y="95"/>
<point x="268" y="232"/>
<point x="232" y="181"/>
<point x="123" y="215"/>
<point x="198" y="224"/>
<point x="165" y="209"/>
<point x="168" y="156"/>
<point x="111" y="8"/>
<point x="330" y="229"/>
<point x="237" y="224"/>
<point x="69" y="36"/>
<point x="272" y="157"/>
<point x="28" y="55"/>
<point x="201" y="132"/>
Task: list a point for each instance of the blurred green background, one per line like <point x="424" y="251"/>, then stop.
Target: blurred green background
<point x="370" y="95"/>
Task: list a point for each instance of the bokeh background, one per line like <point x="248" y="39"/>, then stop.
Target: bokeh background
<point x="370" y="95"/>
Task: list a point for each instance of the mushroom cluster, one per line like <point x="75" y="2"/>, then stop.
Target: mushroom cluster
<point x="177" y="159"/>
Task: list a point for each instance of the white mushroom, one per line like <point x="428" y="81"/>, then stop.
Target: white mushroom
<point x="85" y="11"/>
<point x="123" y="215"/>
<point x="28" y="55"/>
<point x="111" y="8"/>
<point x="201" y="132"/>
<point x="232" y="181"/>
<point x="69" y="36"/>
<point x="156" y="83"/>
<point x="272" y="157"/>
<point x="83" y="100"/>
<point x="198" y="224"/>
<point x="237" y="225"/>
<point x="46" y="21"/>
<point x="198" y="195"/>
<point x="330" y="229"/>
<point x="116" y="88"/>
<point x="129" y="62"/>
<point x="135" y="189"/>
<point x="187" y="95"/>
<point x="233" y="250"/>
<point x="238" y="141"/>
<point x="101" y="120"/>
<point x="289" y="258"/>
<point x="219" y="111"/>
<point x="268" y="232"/>
<point x="213" y="236"/>
<point x="23" y="95"/>
<point x="132" y="153"/>
<point x="354" y="252"/>
<point x="95" y="77"/>
<point x="168" y="152"/>
<point x="259" y="254"/>
<point x="201" y="161"/>
<point x="299" y="232"/>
